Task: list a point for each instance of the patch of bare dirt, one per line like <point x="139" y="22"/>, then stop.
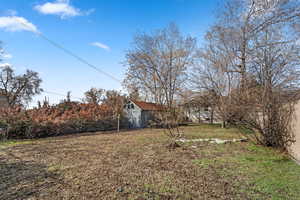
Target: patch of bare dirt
<point x="112" y="166"/>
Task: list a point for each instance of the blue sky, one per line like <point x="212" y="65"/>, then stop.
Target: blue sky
<point x="99" y="31"/>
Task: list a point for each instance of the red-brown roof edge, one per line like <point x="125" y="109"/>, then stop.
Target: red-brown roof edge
<point x="148" y="106"/>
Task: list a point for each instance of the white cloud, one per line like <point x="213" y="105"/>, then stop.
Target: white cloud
<point x="14" y="23"/>
<point x="7" y="56"/>
<point x="2" y="65"/>
<point x="100" y="45"/>
<point x="61" y="8"/>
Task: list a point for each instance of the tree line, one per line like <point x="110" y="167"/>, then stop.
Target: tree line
<point x="247" y="69"/>
<point x="97" y="111"/>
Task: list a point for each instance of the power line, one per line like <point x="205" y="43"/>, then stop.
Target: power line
<point x="57" y="45"/>
<point x="78" y="58"/>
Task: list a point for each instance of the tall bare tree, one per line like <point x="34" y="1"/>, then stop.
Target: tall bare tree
<point x="19" y="89"/>
<point x="239" y="23"/>
<point x="158" y="63"/>
<point x="251" y="60"/>
<point x="157" y="66"/>
<point x="276" y="70"/>
<point x="211" y="77"/>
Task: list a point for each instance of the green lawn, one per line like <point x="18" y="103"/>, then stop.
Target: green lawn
<point x="138" y="165"/>
<point x="265" y="174"/>
<point x="269" y="173"/>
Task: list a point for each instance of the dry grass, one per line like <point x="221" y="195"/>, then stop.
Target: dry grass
<point x="137" y="165"/>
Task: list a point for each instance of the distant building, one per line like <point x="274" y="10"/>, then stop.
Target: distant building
<point x="198" y="112"/>
<point x="140" y="113"/>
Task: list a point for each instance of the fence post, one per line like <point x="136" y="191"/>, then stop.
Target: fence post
<point x="118" y="122"/>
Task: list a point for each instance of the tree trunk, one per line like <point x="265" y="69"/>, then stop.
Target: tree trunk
<point x="211" y="116"/>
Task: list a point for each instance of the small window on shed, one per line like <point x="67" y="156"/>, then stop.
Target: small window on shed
<point x="132" y="106"/>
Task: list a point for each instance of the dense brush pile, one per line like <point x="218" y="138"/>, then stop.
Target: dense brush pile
<point x="64" y="118"/>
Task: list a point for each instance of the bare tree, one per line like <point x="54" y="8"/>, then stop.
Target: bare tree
<point x="239" y="24"/>
<point x="19" y="89"/>
<point x="94" y="95"/>
<point x="252" y="49"/>
<point x="211" y="77"/>
<point x="114" y="99"/>
<point x="276" y="70"/>
<point x="158" y="63"/>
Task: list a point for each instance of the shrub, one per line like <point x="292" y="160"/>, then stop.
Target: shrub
<point x="64" y="118"/>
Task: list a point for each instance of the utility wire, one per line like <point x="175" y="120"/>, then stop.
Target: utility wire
<point x="80" y="59"/>
<point x="57" y="45"/>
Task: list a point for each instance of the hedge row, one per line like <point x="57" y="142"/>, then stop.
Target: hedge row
<point x="64" y="118"/>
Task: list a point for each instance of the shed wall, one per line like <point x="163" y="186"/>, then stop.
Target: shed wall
<point x="295" y="148"/>
<point x="134" y="115"/>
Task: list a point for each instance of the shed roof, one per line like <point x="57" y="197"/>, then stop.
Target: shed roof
<point x="148" y="106"/>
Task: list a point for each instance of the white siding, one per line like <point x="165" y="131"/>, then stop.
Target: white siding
<point x="134" y="115"/>
<point x="201" y="115"/>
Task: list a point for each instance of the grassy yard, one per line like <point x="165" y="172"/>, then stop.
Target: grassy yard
<point x="137" y="165"/>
